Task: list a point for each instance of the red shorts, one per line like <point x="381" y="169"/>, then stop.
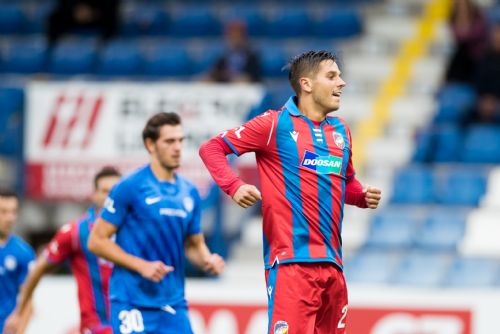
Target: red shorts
<point x="306" y="298"/>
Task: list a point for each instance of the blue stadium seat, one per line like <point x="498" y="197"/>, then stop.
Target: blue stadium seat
<point x="482" y="144"/>
<point x="74" y="57"/>
<point x="473" y="272"/>
<point x="12" y="19"/>
<point x="413" y="185"/>
<point x="424" y="145"/>
<point x="427" y="269"/>
<point x="25" y="55"/>
<point x="204" y="55"/>
<point x="120" y="58"/>
<point x="194" y="21"/>
<point x="454" y="101"/>
<point x="460" y="186"/>
<point x="249" y="14"/>
<point x="145" y="20"/>
<point x="393" y="229"/>
<point x="288" y="22"/>
<point x="167" y="60"/>
<point x="448" y="143"/>
<point x="11" y="125"/>
<point x="375" y="267"/>
<point x="273" y="59"/>
<point x="442" y="230"/>
<point x="37" y="17"/>
<point x="338" y="23"/>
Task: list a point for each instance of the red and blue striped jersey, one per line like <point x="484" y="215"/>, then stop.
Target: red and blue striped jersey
<point x="303" y="169"/>
<point x="91" y="273"/>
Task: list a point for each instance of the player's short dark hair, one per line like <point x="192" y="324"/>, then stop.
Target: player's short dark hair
<point x="304" y="64"/>
<point x="105" y="172"/>
<point x="153" y="125"/>
<point x="4" y="192"/>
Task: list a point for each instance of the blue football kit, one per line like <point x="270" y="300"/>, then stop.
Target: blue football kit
<point x="153" y="219"/>
<point x="15" y="258"/>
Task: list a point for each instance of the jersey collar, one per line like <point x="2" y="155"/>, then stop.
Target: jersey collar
<point x="291" y="106"/>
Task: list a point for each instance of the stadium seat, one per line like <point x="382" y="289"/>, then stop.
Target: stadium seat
<point x="473" y="273"/>
<point x="273" y="60"/>
<point x="37" y="15"/>
<point x="460" y="186"/>
<point x="413" y="185"/>
<point x="393" y="229"/>
<point x="74" y="57"/>
<point x="448" y="143"/>
<point x="374" y="267"/>
<point x="288" y="22"/>
<point x="249" y="14"/>
<point x="26" y="55"/>
<point x="454" y="101"/>
<point x="12" y="18"/>
<point x="338" y="23"/>
<point x="442" y="230"/>
<point x="120" y="58"/>
<point x="145" y="20"/>
<point x="425" y="269"/>
<point x="11" y="126"/>
<point x="194" y="21"/>
<point x="482" y="144"/>
<point x="204" y="55"/>
<point x="167" y="60"/>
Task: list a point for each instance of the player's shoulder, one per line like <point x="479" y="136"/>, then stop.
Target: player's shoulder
<point x="337" y="121"/>
<point x="20" y="246"/>
<point x="134" y="178"/>
<point x="186" y="183"/>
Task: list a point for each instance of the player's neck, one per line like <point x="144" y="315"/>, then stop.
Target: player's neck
<point x="162" y="173"/>
<point x="3" y="239"/>
<point x="310" y="110"/>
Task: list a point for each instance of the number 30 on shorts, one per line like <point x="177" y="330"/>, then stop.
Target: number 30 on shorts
<point x="131" y="321"/>
<point x="342" y="319"/>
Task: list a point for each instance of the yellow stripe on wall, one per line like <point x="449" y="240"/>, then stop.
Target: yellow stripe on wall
<point x="411" y="50"/>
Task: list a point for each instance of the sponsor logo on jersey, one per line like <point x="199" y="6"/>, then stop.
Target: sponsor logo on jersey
<point x="173" y="212"/>
<point x="109" y="205"/>
<point x="329" y="164"/>
<point x="339" y="140"/>
<point x="10" y="263"/>
<point x="152" y="200"/>
<point x="281" y="327"/>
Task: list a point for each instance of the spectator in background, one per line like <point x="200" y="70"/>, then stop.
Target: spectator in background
<point x="16" y="257"/>
<point x="238" y="63"/>
<point x="470" y="31"/>
<point x="91" y="273"/>
<point x="68" y="15"/>
<point x="488" y="82"/>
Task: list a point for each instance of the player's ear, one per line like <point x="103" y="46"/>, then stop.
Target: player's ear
<point x="305" y="84"/>
<point x="149" y="144"/>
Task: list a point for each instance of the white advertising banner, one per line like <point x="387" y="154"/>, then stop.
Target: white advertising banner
<point x="75" y="128"/>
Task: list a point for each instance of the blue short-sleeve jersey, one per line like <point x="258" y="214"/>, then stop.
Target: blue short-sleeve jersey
<point x="15" y="258"/>
<point x="153" y="219"/>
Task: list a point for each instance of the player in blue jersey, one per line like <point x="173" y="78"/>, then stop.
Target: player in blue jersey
<point x="15" y="259"/>
<point x="155" y="214"/>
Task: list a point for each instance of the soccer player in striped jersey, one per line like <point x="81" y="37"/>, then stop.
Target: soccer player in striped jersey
<point x="304" y="160"/>
<point x="155" y="214"/>
<point x="16" y="257"/>
<point x="91" y="273"/>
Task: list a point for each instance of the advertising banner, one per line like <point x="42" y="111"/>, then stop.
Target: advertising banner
<point x="75" y="128"/>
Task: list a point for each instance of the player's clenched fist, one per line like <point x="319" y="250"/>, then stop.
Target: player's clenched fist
<point x="247" y="195"/>
<point x="214" y="265"/>
<point x="372" y="196"/>
<point x="155" y="270"/>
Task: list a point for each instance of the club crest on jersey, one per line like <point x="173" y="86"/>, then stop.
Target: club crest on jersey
<point x="328" y="164"/>
<point x="188" y="203"/>
<point x="339" y="140"/>
<point x="10" y="263"/>
<point x="281" y="327"/>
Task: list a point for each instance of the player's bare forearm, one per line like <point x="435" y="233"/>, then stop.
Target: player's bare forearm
<point x="41" y="266"/>
<point x="198" y="254"/>
<point x="100" y="243"/>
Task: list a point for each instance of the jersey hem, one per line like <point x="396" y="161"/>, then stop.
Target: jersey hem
<point x="299" y="260"/>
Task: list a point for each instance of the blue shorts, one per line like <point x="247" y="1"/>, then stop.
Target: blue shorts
<point x="130" y="319"/>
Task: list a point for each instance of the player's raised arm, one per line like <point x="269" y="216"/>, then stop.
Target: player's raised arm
<point x="100" y="243"/>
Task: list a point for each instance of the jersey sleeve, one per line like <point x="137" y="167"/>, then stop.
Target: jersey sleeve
<point x="117" y="204"/>
<point x="194" y="226"/>
<point x="62" y="244"/>
<point x="252" y="136"/>
<point x="27" y="261"/>
<point x="350" y="172"/>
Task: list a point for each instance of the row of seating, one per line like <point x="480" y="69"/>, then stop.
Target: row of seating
<point x="422" y="269"/>
<point x="403" y="228"/>
<point x="150" y="57"/>
<point x="449" y="185"/>
<point x="205" y="20"/>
